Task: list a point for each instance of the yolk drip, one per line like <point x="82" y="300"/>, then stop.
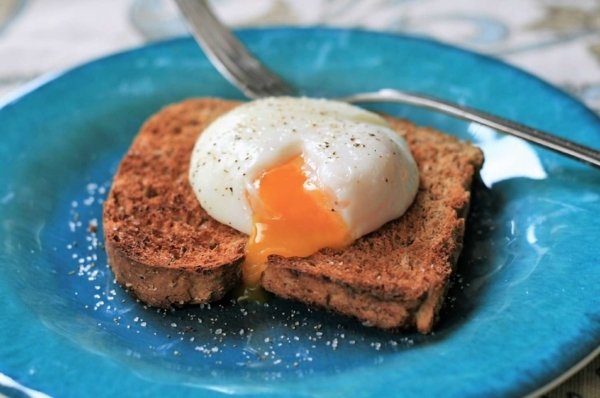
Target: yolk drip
<point x="291" y="218"/>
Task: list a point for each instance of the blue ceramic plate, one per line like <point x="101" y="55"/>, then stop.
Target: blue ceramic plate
<point x="523" y="310"/>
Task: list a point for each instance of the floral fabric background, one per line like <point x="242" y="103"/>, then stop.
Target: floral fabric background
<point x="558" y="40"/>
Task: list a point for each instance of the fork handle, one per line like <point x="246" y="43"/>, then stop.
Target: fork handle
<point x="568" y="148"/>
<point x="228" y="54"/>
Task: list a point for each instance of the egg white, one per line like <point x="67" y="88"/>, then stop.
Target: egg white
<point x="350" y="153"/>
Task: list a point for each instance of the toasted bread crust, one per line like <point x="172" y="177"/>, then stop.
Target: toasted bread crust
<point x="164" y="247"/>
<point x="168" y="286"/>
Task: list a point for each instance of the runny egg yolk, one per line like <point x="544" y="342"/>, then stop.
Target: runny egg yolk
<point x="291" y="218"/>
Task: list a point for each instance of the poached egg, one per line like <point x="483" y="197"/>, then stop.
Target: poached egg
<point x="298" y="175"/>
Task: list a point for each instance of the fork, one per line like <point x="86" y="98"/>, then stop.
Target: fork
<point x="255" y="80"/>
<point x="229" y="55"/>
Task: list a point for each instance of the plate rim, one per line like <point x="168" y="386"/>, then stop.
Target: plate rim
<point x="15" y="95"/>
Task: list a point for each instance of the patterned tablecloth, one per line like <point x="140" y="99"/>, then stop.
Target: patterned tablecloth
<point x="558" y="40"/>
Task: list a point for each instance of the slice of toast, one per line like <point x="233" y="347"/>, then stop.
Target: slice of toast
<point x="164" y="247"/>
<point x="160" y="243"/>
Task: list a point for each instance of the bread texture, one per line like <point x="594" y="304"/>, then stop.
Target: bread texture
<point x="160" y="243"/>
<point x="166" y="249"/>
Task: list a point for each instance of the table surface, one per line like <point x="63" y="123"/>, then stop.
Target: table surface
<point x="557" y="40"/>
